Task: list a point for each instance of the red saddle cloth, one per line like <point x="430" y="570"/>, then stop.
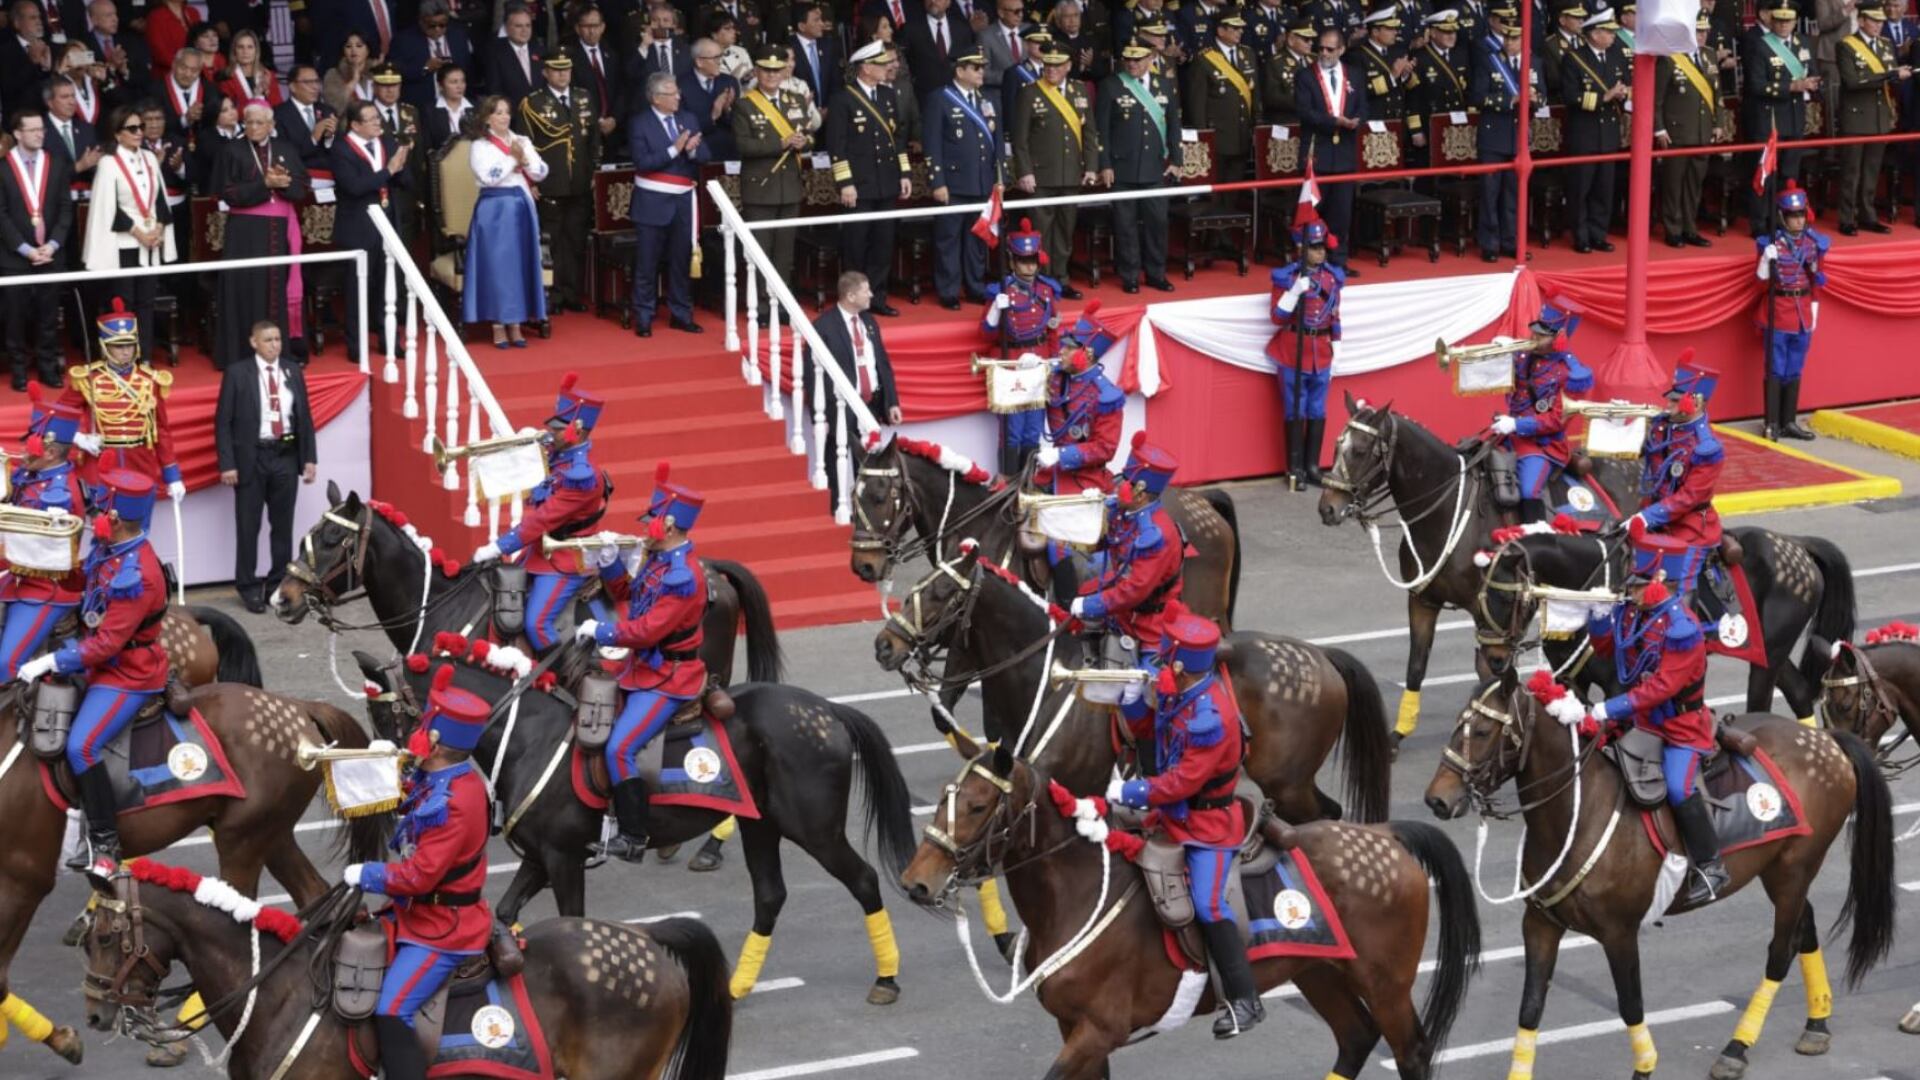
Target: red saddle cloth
<point x="1750" y="801"/>
<point x="165" y="760"/>
<point x="697" y="769"/>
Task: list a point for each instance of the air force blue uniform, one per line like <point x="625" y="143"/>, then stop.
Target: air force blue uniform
<point x="964" y="147"/>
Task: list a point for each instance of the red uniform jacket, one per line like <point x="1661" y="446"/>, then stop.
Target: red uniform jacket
<point x="1306" y="333"/>
<point x="127" y="593"/>
<point x="569" y="502"/>
<point x="128" y="410"/>
<point x="1660" y="655"/>
<point x="1197" y="745"/>
<point x="1798" y="274"/>
<point x="57" y="488"/>
<point x="1681" y="464"/>
<point x="1084" y="416"/>
<point x="1537" y="402"/>
<point x="442" y="841"/>
<point x="1138" y="583"/>
<point x="665" y="606"/>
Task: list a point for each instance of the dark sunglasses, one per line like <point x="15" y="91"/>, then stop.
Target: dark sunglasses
<point x="1329" y="48"/>
<point x="134" y="127"/>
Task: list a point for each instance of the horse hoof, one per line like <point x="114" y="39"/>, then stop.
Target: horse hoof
<point x="166" y="1057"/>
<point x="1393" y="752"/>
<point x="708" y="858"/>
<point x="1728" y="1068"/>
<point x="666" y="852"/>
<point x="885" y="991"/>
<point x="1004" y="941"/>
<point x="1911" y="1023"/>
<point x="1813" y="1043"/>
<point x="66" y="1042"/>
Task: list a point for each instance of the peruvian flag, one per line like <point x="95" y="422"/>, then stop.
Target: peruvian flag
<point x="1309" y="190"/>
<point x="1769" y="157"/>
<point x="987" y="226"/>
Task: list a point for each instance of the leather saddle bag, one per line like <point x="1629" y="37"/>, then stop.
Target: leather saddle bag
<point x="359" y="965"/>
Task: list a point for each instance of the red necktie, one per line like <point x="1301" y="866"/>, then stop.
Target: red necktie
<point x="273" y="400"/>
<point x="940" y="36"/>
<point x="899" y="17"/>
<point x="860" y="348"/>
<point x="380" y="22"/>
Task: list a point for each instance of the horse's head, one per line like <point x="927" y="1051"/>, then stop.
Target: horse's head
<point x="1361" y="457"/>
<point x="931" y="612"/>
<point x="330" y="562"/>
<point x="130" y="949"/>
<point x="974" y="822"/>
<point x="1488" y="747"/>
<point x="882" y="511"/>
<point x="391" y="704"/>
<point x="1504" y="607"/>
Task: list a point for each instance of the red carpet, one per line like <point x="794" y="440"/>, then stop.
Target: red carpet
<point x="1904" y="415"/>
<point x="1755" y="466"/>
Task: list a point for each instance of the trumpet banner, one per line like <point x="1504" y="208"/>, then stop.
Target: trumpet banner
<point x="361" y="787"/>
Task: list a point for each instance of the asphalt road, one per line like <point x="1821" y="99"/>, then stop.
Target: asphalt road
<point x="809" y="1016"/>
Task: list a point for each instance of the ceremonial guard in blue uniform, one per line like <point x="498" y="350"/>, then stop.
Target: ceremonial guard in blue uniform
<point x="1534" y="427"/>
<point x="1680" y="465"/>
<point x="965" y="148"/>
<point x="439" y="914"/>
<point x="1021" y="316"/>
<point x="1136" y="572"/>
<point x="1791" y="263"/>
<point x="44" y="480"/>
<point x="1305" y="305"/>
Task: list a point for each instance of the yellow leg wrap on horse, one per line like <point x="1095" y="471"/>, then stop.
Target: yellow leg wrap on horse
<point x="1409" y="713"/>
<point x="1810" y="721"/>
<point x="1755" y="1017"/>
<point x="747" y="972"/>
<point x="953" y="737"/>
<point x="723" y="832"/>
<point x="1813" y="972"/>
<point x="1645" y="1057"/>
<point x="991" y="909"/>
<point x="193" y="1012"/>
<point x="886" y="952"/>
<point x="1337" y="1076"/>
<point x="15" y="1010"/>
<point x="1523" y="1043"/>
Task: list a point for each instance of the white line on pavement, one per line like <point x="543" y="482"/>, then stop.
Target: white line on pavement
<point x="1578" y="1031"/>
<point x="767" y="986"/>
<point x="1895" y="568"/>
<point x="644" y="919"/>
<point x="1490" y="956"/>
<point x="1910" y="886"/>
<point x="811" y="1068"/>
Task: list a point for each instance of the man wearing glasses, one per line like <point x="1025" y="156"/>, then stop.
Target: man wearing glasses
<point x="1332" y="105"/>
<point x="420" y="51"/>
<point x="1002" y="41"/>
<point x="306" y="121"/>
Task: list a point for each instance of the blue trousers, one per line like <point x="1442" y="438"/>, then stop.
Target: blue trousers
<point x="1683" y="570"/>
<point x="550" y="597"/>
<point x="417" y="973"/>
<point x="28" y="624"/>
<point x="104" y="712"/>
<point x="1533" y="471"/>
<point x="1680" y="764"/>
<point x="1305" y="392"/>
<point x="671" y="243"/>
<point x="1207" y="870"/>
<point x="641" y="720"/>
<point x="1787" y="353"/>
<point x="959" y="258"/>
<point x="1022" y="430"/>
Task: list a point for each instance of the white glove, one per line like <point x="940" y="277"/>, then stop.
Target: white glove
<point x="1770" y="253"/>
<point x="1094" y="830"/>
<point x="87" y="442"/>
<point x="1115" y="788"/>
<point x="1599" y="712"/>
<point x="1002" y="302"/>
<point x="351" y="875"/>
<point x="1300" y="286"/>
<point x="1029" y="361"/>
<point x="1505" y="425"/>
<point x="606" y="555"/>
<point x="1048" y="456"/>
<point x="177" y="491"/>
<point x="587" y="631"/>
<point x="36" y="667"/>
<point x="1079" y="607"/>
<point x="486" y="553"/>
<point x="1133" y="692"/>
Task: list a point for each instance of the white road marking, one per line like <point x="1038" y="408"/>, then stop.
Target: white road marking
<point x="1490" y="956"/>
<point x="1910" y="886"/>
<point x="644" y="919"/>
<point x="768" y="986"/>
<point x="813" y="1068"/>
<point x="1894" y="568"/>
<point x="1499" y="1047"/>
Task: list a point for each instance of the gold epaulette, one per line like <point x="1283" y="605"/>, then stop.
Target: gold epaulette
<point x="162" y="380"/>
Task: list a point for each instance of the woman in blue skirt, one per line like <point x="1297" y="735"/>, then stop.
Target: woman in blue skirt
<point x="503" y="241"/>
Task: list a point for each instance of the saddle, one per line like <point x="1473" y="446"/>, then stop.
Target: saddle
<point x="699" y="719"/>
<point x="360" y="962"/>
<point x="1163" y="865"/>
<point x="1637" y="754"/>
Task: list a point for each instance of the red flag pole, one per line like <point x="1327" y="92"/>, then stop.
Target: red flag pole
<point x="1632" y="371"/>
<point x="1523" y="135"/>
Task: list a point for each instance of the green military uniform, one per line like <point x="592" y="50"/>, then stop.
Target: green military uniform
<point x="566" y="135"/>
<point x="1277" y="79"/>
<point x="1686" y="108"/>
<point x="770" y="186"/>
<point x="1055" y="142"/>
<point x="1868" y="71"/>
<point x="1139" y="142"/>
<point x="1554" y="52"/>
<point x="1220" y="94"/>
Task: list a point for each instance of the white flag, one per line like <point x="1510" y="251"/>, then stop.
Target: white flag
<point x="1665" y="27"/>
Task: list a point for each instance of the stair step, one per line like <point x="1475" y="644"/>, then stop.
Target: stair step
<point x="686" y="396"/>
<point x="712" y="469"/>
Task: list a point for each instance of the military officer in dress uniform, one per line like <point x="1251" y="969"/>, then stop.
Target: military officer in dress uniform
<point x="1793" y="263"/>
<point x="869" y="165"/>
<point x="1267" y="28"/>
<point x="1135" y="586"/>
<point x="965" y="152"/>
<point x="1022" y="314"/>
<point x="44" y="479"/>
<point x="401" y="121"/>
<point x="565" y="130"/>
<point x="1382" y="63"/>
<point x="1563" y="38"/>
<point x="125" y="405"/>
<point x="439" y="913"/>
<point x="1681" y="462"/>
<point x="1869" y="74"/>
<point x="1220" y="95"/>
<point x="1278" y="75"/>
<point x="1441" y="70"/>
<point x="1495" y="91"/>
<point x="1686" y="112"/>
<point x="1056" y="152"/>
<point x="1305" y="305"/>
<point x="1341" y="15"/>
<point x="1594" y="84"/>
<point x="1036" y="41"/>
<point x="1533" y="430"/>
<point x="1137" y="146"/>
<point x="770" y="131"/>
<point x="1778" y="82"/>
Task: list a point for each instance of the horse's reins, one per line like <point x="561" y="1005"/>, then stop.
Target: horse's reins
<point x="1513" y="638"/>
<point x="1870" y="702"/>
<point x="1371" y="500"/>
<point x="923" y="637"/>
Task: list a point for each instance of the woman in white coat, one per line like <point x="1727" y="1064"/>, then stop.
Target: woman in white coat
<point x="129" y="223"/>
<point x="503" y="241"/>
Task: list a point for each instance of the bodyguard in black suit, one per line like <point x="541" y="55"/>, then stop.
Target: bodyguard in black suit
<point x="964" y="145"/>
<point x="811" y="43"/>
<point x="1332" y="105"/>
<point x="851" y="333"/>
<point x="596" y="70"/>
<point x="932" y="39"/>
<point x="512" y="63"/>
<point x="37" y="217"/>
<point x="365" y="166"/>
<point x="420" y="51"/>
<point x="263" y="436"/>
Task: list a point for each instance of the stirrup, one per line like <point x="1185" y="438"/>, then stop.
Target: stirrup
<point x="623" y="847"/>
<point x="1237" y="1017"/>
<point x="1707" y="882"/>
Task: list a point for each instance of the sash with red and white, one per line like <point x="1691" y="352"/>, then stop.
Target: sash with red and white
<point x="375" y="161"/>
<point x="663" y="183"/>
<point x="33" y="189"/>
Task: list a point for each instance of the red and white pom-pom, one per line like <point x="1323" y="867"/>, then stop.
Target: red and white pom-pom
<point x="216" y="894"/>
<point x="1655" y="594"/>
<point x="947" y="459"/>
<point x="418" y="663"/>
<point x="1568" y="710"/>
<point x="509" y="660"/>
<point x="546" y="682"/>
<point x="1567" y="525"/>
<point x="968" y="547"/>
<point x="372" y="689"/>
<point x="1139" y="439"/>
<point x="1893" y="631"/>
<point x="1092" y="308"/>
<point x="872" y="441"/>
<point x="220" y="896"/>
<point x="481" y="650"/>
<point x="1483" y="558"/>
<point x="1543" y="687"/>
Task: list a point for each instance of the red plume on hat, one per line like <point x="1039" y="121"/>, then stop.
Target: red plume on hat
<point x="568" y="380"/>
<point x="119" y="306"/>
<point x="1139" y="439"/>
<point x="442" y="678"/>
<point x="1092" y="308"/>
<point x="1655" y="594"/>
<point x="1685" y="407"/>
<point x="33" y="392"/>
<point x="660" y="472"/>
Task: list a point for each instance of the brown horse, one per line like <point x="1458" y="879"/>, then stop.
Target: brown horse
<point x="658" y="1002"/>
<point x="1505" y="734"/>
<point x="206" y="645"/>
<point x="260" y="733"/>
<point x="996" y="818"/>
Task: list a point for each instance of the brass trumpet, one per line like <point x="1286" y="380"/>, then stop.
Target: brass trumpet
<point x="1448" y="355"/>
<point x="587" y="544"/>
<point x="1613" y="410"/>
<point x="1060" y="675"/>
<point x="442" y="453"/>
<point x="309" y="756"/>
<point x="1031" y="501"/>
<point x="981" y="363"/>
<point x="55" y="523"/>
<point x="1555" y="594"/>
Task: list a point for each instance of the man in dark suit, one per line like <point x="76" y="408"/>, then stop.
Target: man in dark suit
<point x="36" y="222"/>
<point x="365" y="166"/>
<point x="667" y="152"/>
<point x="420" y="51"/>
<point x="26" y="56"/>
<point x="596" y="70"/>
<point x="932" y="39"/>
<point x="1332" y="105"/>
<point x="852" y="337"/>
<point x="709" y="94"/>
<point x="663" y="50"/>
<point x="263" y="436"/>
<point x="513" y="62"/>
<point x="306" y="121"/>
<point x="69" y="137"/>
<point x="816" y="59"/>
<point x="125" y="56"/>
<point x="188" y="100"/>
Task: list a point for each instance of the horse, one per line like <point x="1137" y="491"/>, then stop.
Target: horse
<point x="1115" y="980"/>
<point x="270" y="999"/>
<point x="358" y="549"/>
<point x="1506" y="735"/>
<point x="796" y="752"/>
<point x="1798" y="583"/>
<point x="260" y="733"/>
<point x="1386" y="462"/>
<point x="204" y="644"/>
<point x="1297" y="699"/>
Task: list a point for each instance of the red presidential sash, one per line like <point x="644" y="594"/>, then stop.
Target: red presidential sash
<point x="142" y="204"/>
<point x="33" y="190"/>
<point x="181" y="100"/>
<point x="376" y="166"/>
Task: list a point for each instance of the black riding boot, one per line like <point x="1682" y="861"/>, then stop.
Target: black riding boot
<point x="1770" y="430"/>
<point x="1296" y="454"/>
<point x="1013" y="460"/>
<point x="1316" y="430"/>
<point x="1242" y="1008"/>
<point x="1532" y="510"/>
<point x="630" y="810"/>
<point x="1066" y="581"/>
<point x="101" y="857"/>
<point x="1790" y="424"/>
<point x="400" y="1055"/>
<point x="1703" y="850"/>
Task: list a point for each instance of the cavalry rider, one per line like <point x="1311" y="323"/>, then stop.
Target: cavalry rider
<point x="568" y="502"/>
<point x="1681" y="460"/>
<point x="439" y="914"/>
<point x="1534" y="427"/>
<point x="1021" y="315"/>
<point x="1790" y="262"/>
<point x="121" y="654"/>
<point x="125" y="404"/>
<point x="44" y="480"/>
<point x="1660" y="655"/>
<point x="1083" y="419"/>
<point x="1195" y="732"/>
<point x="1305" y="305"/>
<point x="1137" y="584"/>
<point x="666" y="601"/>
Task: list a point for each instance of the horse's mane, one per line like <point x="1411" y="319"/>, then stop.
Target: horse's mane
<point x="1054" y="611"/>
<point x="1894" y="632"/>
<point x="500" y="661"/>
<point x="211" y="892"/>
<point x="951" y="460"/>
<point x="437" y="557"/>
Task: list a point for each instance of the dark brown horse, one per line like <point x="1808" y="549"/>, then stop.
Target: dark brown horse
<point x="260" y="733"/>
<point x="1604" y="883"/>
<point x="996" y="818"/>
<point x="1385" y="463"/>
<point x="205" y="645"/>
<point x="606" y="1024"/>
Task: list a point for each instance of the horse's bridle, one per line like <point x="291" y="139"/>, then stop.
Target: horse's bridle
<point x="1870" y="702"/>
<point x="1513" y="635"/>
<point x="923" y="632"/>
<point x="126" y="924"/>
<point x="1482" y="778"/>
<point x="1365" y="492"/>
<point x="886" y="540"/>
<point x="349" y="559"/>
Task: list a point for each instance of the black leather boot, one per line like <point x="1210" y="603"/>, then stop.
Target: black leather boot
<point x="1316" y="430"/>
<point x="1228" y="954"/>
<point x="1066" y="580"/>
<point x="1532" y="510"/>
<point x="101" y="857"/>
<point x="1710" y="878"/>
<point x="1790" y="424"/>
<point x="400" y="1055"/>
<point x="630" y="809"/>
<point x="1770" y="429"/>
<point x="1296" y="454"/>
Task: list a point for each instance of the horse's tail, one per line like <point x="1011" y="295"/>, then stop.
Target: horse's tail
<point x="701" y="1053"/>
<point x="1222" y="504"/>
<point x="1458" y="955"/>
<point x="364" y="839"/>
<point x="1835" y="618"/>
<point x="239" y="663"/>
<point x="1870" y="901"/>
<point x="889" y="806"/>
<point x="1366" y="752"/>
<point x="765" y="660"/>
